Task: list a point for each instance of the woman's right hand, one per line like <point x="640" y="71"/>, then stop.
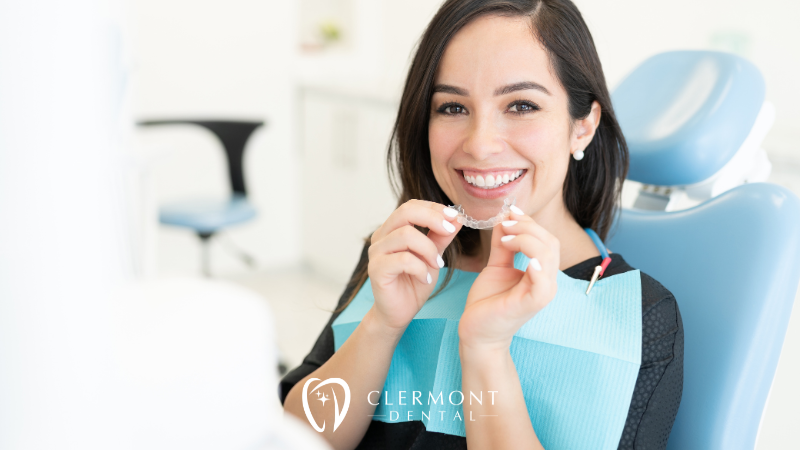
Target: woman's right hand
<point x="404" y="263"/>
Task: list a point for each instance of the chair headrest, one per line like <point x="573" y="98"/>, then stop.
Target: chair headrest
<point x="685" y="114"/>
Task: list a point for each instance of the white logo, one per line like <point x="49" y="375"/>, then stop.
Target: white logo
<point x="339" y="416"/>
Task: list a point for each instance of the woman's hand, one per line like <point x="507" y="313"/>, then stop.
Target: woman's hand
<point x="404" y="263"/>
<point x="503" y="298"/>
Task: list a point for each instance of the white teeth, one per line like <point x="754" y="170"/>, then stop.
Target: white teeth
<point x="491" y="181"/>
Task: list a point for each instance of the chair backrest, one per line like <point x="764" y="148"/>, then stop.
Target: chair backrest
<point x="733" y="264"/>
<point x="232" y="134"/>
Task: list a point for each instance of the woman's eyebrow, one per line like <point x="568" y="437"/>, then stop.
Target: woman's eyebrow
<point x="524" y="85"/>
<point x="521" y="86"/>
<point x="447" y="89"/>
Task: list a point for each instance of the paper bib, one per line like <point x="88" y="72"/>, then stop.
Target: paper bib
<point x="577" y="360"/>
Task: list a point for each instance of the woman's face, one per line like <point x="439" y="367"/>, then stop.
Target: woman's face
<point x="499" y="123"/>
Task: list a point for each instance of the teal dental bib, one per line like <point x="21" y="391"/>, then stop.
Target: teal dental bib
<point x="577" y="360"/>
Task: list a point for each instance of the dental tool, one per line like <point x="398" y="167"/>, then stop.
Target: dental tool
<point x="470" y="222"/>
<point x="598" y="270"/>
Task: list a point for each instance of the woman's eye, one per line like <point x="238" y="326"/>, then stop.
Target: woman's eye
<point x="522" y="107"/>
<point x="451" y="109"/>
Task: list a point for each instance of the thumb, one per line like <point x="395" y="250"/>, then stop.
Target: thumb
<point x="499" y="255"/>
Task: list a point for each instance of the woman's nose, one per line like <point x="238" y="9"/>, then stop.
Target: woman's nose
<point x="483" y="139"/>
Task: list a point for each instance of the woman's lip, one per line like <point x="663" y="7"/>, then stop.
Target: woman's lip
<point x="499" y="192"/>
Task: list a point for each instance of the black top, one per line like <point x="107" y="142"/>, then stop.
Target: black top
<point x="655" y="398"/>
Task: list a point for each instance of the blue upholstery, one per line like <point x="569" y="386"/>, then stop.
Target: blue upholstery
<point x="733" y="264"/>
<point x="207" y="216"/>
<point x="686" y="113"/>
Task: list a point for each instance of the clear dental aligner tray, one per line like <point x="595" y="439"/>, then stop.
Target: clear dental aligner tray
<point x="468" y="221"/>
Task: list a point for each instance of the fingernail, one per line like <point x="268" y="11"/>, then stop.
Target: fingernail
<point x="439" y="261"/>
<point x="448" y="226"/>
<point x="535" y="264"/>
<point x="450" y="212"/>
<point x="429" y="278"/>
<point x="517" y="210"/>
<point x="508" y="237"/>
<point x="509" y="223"/>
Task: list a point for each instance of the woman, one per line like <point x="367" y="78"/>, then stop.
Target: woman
<point x="504" y="98"/>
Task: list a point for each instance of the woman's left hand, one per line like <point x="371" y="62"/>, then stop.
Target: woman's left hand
<point x="503" y="298"/>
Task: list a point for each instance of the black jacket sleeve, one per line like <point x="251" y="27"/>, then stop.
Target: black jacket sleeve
<point x="659" y="385"/>
<point x="323" y="348"/>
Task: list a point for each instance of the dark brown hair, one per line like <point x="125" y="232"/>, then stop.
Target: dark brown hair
<point x="592" y="186"/>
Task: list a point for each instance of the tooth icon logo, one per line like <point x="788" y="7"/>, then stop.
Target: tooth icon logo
<point x="339" y="415"/>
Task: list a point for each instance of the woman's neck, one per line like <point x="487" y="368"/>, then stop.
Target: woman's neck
<point x="575" y="245"/>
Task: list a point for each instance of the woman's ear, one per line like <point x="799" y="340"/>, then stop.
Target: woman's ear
<point x="583" y="129"/>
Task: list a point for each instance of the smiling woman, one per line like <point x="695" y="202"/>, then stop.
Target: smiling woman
<point x="504" y="98"/>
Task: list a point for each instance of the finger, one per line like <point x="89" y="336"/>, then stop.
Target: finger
<point x="526" y="225"/>
<point x="520" y="223"/>
<point x="500" y="255"/>
<point x="540" y="253"/>
<point x="441" y="241"/>
<point x="422" y="213"/>
<point x="538" y="280"/>
<point x="394" y="264"/>
<point x="408" y="238"/>
<point x="531" y="294"/>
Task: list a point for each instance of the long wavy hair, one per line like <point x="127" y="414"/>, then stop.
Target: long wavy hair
<point x="592" y="187"/>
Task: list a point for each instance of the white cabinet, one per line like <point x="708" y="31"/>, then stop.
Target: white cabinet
<point x="345" y="187"/>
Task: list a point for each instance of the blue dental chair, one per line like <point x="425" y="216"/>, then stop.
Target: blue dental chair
<point x="730" y="255"/>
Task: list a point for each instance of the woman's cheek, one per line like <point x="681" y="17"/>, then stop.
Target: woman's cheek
<point x="541" y="144"/>
<point x="530" y="135"/>
<point x="443" y="140"/>
<point x="543" y="140"/>
<point x="443" y="145"/>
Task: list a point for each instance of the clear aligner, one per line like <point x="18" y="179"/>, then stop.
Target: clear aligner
<point x="468" y="221"/>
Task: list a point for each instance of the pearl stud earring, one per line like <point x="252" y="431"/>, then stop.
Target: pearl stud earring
<point x="578" y="155"/>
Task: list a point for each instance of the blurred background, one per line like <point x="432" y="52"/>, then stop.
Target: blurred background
<point x="326" y="76"/>
<point x="318" y="82"/>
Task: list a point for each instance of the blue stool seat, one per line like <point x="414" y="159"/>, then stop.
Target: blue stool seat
<point x="686" y="113"/>
<point x="207" y="216"/>
<point x="733" y="264"/>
